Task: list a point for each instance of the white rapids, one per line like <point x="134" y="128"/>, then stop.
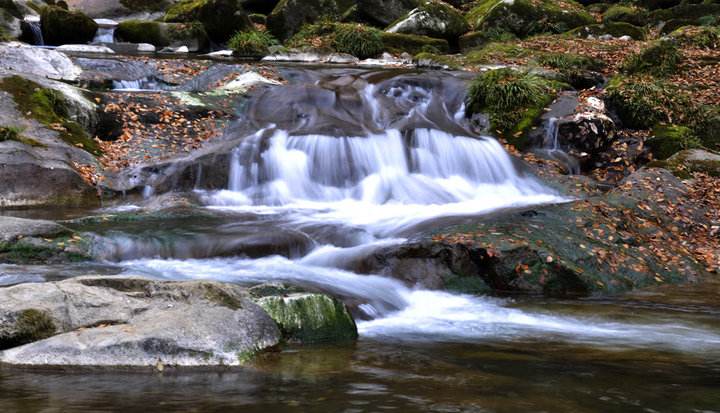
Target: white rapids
<point x="407" y="158"/>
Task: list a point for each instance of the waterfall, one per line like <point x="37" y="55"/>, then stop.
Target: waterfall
<point x="551" y="134"/>
<point x="34" y="31"/>
<point x="104" y="35"/>
<point x="139" y="85"/>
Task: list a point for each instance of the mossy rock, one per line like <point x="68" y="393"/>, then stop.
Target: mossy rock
<point x="289" y="16"/>
<point x="528" y="17"/>
<point x="161" y="35"/>
<point x="311" y="318"/>
<point x="413" y="44"/>
<point x="614" y="29"/>
<point x="685" y="11"/>
<point x="642" y="102"/>
<point x="11" y="133"/>
<point x="381" y="13"/>
<point x="495" y="52"/>
<point x="512" y="99"/>
<point x="475" y="39"/>
<point x="432" y="18"/>
<point x="661" y="58"/>
<point x="252" y="43"/>
<point x="625" y="14"/>
<point x="704" y="37"/>
<point x="258" y="18"/>
<point x="50" y="108"/>
<point x="60" y="26"/>
<point x="27" y="326"/>
<point x="668" y="140"/>
<point x="145" y="5"/>
<point x="436" y="61"/>
<point x="220" y="18"/>
<point x="351" y="38"/>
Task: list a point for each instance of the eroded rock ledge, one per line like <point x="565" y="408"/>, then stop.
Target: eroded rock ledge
<point x="137" y="322"/>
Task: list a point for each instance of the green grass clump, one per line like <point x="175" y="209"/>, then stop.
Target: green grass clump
<point x="352" y="38"/>
<point x="48" y="107"/>
<point x="513" y="99"/>
<point x="662" y="58"/>
<point x="358" y="40"/>
<point x="252" y="43"/>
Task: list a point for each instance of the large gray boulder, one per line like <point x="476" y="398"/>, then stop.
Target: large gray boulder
<point x="432" y="18"/>
<point x="12" y="228"/>
<point x="132" y="322"/>
<point x="45" y="63"/>
<point x="381" y="13"/>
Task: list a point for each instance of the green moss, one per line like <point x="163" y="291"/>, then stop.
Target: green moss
<point x="481" y="38"/>
<point x="668" y="140"/>
<point x="641" y="103"/>
<point x="60" y="26"/>
<point x="615" y="29"/>
<point x="413" y="44"/>
<point x="21" y="252"/>
<point x="355" y="39"/>
<point x="11" y="133"/>
<point x="252" y="43"/>
<point x="221" y="19"/>
<point x="512" y="99"/>
<point x="661" y="58"/>
<point x="185" y="11"/>
<point x="625" y="14"/>
<point x="48" y="107"/>
<point x="142" y="31"/>
<point x="568" y="61"/>
<point x="311" y="318"/>
<point x="358" y="40"/>
<point x="528" y="17"/>
<point x="30" y="325"/>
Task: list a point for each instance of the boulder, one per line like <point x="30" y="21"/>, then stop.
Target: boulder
<point x="12" y="229"/>
<point x="118" y="8"/>
<point x="60" y="26"/>
<point x="132" y="322"/>
<point x="432" y="18"/>
<point x="43" y="63"/>
<point x="310" y="318"/>
<point x="586" y="135"/>
<point x="413" y="44"/>
<point x="220" y="18"/>
<point x="667" y="140"/>
<point x="382" y="13"/>
<point x="683" y="164"/>
<point x="526" y="17"/>
<point x="290" y="15"/>
<point x="191" y="35"/>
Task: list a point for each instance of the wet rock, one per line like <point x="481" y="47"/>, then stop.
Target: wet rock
<point x="311" y="57"/>
<point x="60" y="26"/>
<point x="102" y="72"/>
<point x="44" y="63"/>
<point x="432" y="18"/>
<point x="310" y="318"/>
<point x="11" y="228"/>
<point x="586" y="135"/>
<point x="133" y="322"/>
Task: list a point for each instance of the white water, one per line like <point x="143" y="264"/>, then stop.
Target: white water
<point x="105" y="35"/>
<point x="399" y="312"/>
<point x="140" y="85"/>
<point x="373" y="191"/>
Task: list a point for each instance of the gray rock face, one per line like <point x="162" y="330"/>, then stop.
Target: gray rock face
<point x="382" y="13"/>
<point x="39" y="62"/>
<point x="133" y="322"/>
<point x="12" y="228"/>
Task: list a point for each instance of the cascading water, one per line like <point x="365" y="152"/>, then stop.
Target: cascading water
<point x="146" y="84"/>
<point x="342" y="165"/>
<point x="34" y="32"/>
<point x="105" y="35"/>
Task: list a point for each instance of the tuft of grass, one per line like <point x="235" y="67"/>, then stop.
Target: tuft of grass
<point x="662" y="58"/>
<point x="510" y="97"/>
<point x="252" y="43"/>
<point x="352" y="38"/>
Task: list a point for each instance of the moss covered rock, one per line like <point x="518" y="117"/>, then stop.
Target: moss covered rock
<point x="704" y="37"/>
<point x="220" y="18"/>
<point x="668" y="140"/>
<point x="661" y="58"/>
<point x="310" y="318"/>
<point x="159" y="34"/>
<point x="251" y="43"/>
<point x="289" y="16"/>
<point x="60" y="26"/>
<point x="350" y="38"/>
<point x="683" y="164"/>
<point x="528" y="17"/>
<point x="398" y="42"/>
<point x="626" y="14"/>
<point x="432" y="18"/>
<point x="381" y="13"/>
<point x="641" y="103"/>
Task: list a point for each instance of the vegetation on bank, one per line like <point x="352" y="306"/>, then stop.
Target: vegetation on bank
<point x="252" y="43"/>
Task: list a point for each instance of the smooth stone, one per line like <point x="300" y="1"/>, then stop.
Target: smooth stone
<point x="85" y="48"/>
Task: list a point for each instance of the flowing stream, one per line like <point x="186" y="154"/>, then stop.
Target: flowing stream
<point x="328" y="170"/>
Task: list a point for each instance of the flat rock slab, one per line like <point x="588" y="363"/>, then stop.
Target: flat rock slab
<point x="134" y="322"/>
<point x="12" y="228"/>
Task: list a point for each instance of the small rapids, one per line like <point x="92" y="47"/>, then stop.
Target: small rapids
<point x="342" y="164"/>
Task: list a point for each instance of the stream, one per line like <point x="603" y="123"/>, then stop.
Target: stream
<point x="328" y="170"/>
